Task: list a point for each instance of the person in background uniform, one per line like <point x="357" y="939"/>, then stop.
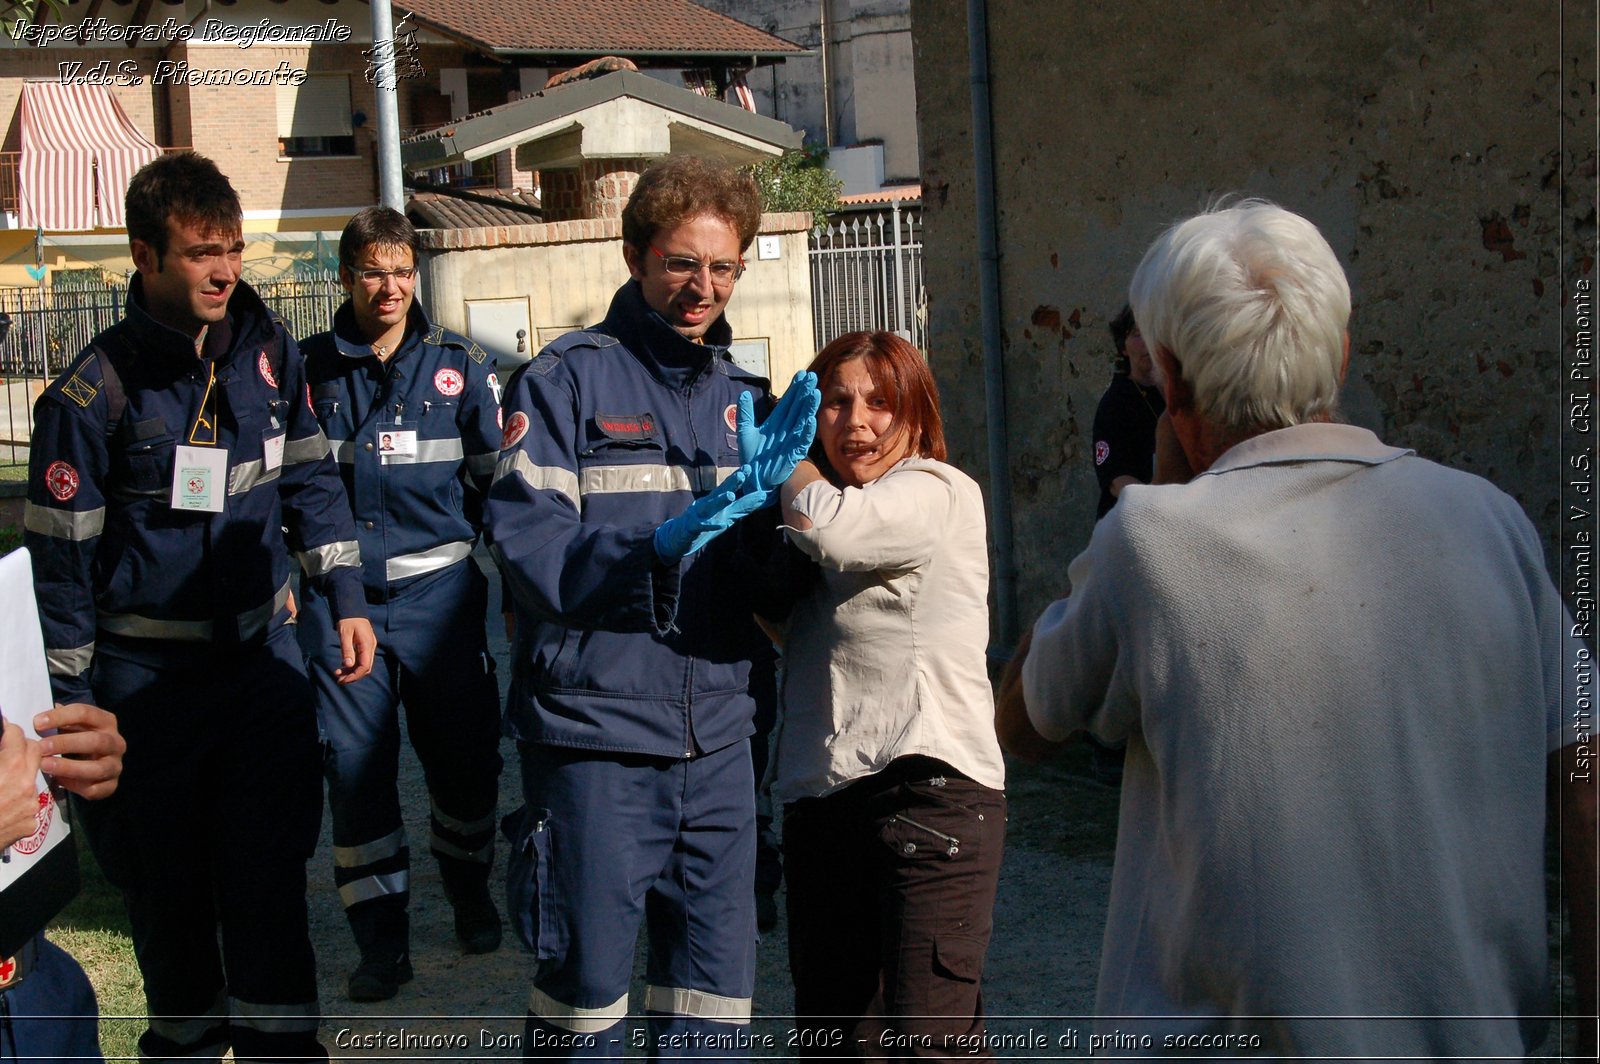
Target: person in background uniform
<point x="1345" y="681"/>
<point x="166" y="463"/>
<point x="429" y="399"/>
<point x="1124" y="454"/>
<point x="628" y="448"/>
<point x="1125" y="420"/>
<point x="47" y="1005"/>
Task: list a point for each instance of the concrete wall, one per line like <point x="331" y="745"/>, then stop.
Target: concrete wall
<point x="869" y="66"/>
<point x="1446" y="150"/>
<point x="568" y="271"/>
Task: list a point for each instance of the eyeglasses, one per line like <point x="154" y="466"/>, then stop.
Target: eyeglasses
<point x="683" y="266"/>
<point x="375" y="277"/>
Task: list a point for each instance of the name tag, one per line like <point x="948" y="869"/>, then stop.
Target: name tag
<point x="200" y="479"/>
<point x="397" y="443"/>
<point x="272" y="451"/>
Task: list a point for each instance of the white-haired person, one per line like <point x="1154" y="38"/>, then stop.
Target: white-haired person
<point x="888" y="761"/>
<point x="1339" y="671"/>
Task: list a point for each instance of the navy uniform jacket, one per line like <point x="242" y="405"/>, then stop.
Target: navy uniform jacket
<point x="110" y="554"/>
<point x="608" y="433"/>
<point x="416" y="511"/>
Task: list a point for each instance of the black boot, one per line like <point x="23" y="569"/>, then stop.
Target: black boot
<point x="466" y="885"/>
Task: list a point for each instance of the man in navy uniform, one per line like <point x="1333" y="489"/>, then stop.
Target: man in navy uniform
<point x="167" y="462"/>
<point x="628" y="447"/>
<point x="412" y="413"/>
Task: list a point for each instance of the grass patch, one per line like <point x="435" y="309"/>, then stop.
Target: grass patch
<point x="94" y="929"/>
<point x="10" y="539"/>
<point x="13" y="472"/>
<point x="1059" y="808"/>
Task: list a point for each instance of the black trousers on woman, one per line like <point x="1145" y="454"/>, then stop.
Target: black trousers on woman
<point x="891" y="904"/>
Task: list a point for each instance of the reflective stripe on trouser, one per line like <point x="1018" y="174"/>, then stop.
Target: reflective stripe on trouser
<point x="432" y="658"/>
<point x="609" y="841"/>
<point x="209" y="830"/>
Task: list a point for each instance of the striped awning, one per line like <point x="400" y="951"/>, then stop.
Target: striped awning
<point x="79" y="150"/>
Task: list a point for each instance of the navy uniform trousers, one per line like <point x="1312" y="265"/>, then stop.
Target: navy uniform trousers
<point x="433" y="657"/>
<point x="611" y="838"/>
<point x="51" y="1015"/>
<point x="210" y="829"/>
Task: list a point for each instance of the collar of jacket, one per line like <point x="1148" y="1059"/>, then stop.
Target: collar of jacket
<point x="348" y="339"/>
<point x="675" y="361"/>
<point x="247" y="323"/>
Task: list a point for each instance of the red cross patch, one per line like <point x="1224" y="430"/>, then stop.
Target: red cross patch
<point x="731" y="416"/>
<point x="265" y="366"/>
<point x="8" y="972"/>
<point x="449" y="382"/>
<point x="1102" y="451"/>
<point x="516" y="428"/>
<point x="62" y="480"/>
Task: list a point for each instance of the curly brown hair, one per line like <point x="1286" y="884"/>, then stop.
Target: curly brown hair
<point x="681" y="187"/>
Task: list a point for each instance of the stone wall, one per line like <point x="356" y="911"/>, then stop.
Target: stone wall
<point x="1446" y="150"/>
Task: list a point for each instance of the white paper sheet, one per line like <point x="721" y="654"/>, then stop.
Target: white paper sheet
<point x="24" y="692"/>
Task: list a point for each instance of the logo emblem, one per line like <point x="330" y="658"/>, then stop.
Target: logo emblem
<point x="449" y="382"/>
<point x="47" y="809"/>
<point x="1102" y="451"/>
<point x="731" y="416"/>
<point x="309" y="404"/>
<point x="516" y="428"/>
<point x="265" y="367"/>
<point x="62" y="480"/>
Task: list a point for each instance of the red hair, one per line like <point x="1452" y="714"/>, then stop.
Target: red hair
<point x="901" y="373"/>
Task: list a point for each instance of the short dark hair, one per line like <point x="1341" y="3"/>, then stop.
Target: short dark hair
<point x="681" y="187"/>
<point x="182" y="185"/>
<point x="1121" y="326"/>
<point x="380" y="227"/>
<point x="902" y="374"/>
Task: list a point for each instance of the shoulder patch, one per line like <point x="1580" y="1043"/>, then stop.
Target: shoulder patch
<point x="79" y="390"/>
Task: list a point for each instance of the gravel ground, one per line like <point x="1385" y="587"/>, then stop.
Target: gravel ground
<point x="1042" y="961"/>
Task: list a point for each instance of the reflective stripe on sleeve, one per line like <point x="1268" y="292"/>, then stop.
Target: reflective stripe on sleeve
<point x="426" y="561"/>
<point x="330" y="556"/>
<point x="680" y="1001"/>
<point x="537" y="477"/>
<point x="64" y="524"/>
<point x="607" y="480"/>
<point x="482" y="465"/>
<point x="571" y="1018"/>
<point x="69" y="662"/>
<point x="306" y="449"/>
<point x="344" y="451"/>
<point x="246" y="475"/>
<point x="368" y="852"/>
<point x="369" y="887"/>
<point x="275" y="1019"/>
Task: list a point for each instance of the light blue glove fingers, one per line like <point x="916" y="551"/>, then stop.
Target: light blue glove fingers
<point x="681" y="536"/>
<point x="749" y="434"/>
<point x="787" y="433"/>
<point x="731" y="511"/>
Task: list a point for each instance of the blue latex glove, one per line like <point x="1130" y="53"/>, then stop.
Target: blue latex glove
<point x="708" y="517"/>
<point x="771" y="450"/>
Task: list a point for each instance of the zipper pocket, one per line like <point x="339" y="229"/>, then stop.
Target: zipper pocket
<point x="952" y="845"/>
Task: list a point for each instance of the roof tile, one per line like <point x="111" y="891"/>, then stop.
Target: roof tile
<point x="598" y="27"/>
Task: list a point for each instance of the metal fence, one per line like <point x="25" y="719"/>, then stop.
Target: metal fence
<point x="50" y="324"/>
<point x="866" y="273"/>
